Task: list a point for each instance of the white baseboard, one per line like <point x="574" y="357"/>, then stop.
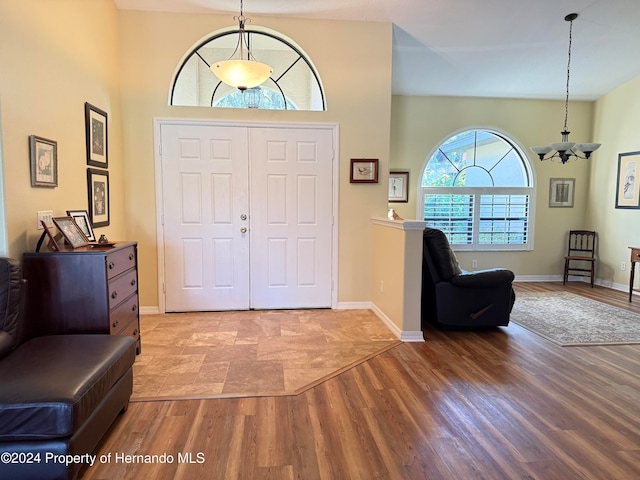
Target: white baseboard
<point x="558" y="278"/>
<point x="353" y="306"/>
<point x="149" y="310"/>
<point x="402" y="335"/>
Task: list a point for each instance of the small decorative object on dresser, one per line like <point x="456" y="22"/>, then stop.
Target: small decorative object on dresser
<point x="90" y="289"/>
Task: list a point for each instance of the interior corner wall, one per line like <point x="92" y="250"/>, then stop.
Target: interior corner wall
<point x="354" y="63"/>
<point x="617" y="116"/>
<point x="420" y="124"/>
<point x="55" y="56"/>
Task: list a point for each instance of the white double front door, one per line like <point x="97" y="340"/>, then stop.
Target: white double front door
<point x="247" y="217"/>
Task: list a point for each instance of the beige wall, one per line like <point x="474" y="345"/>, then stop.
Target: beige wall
<point x="616" y="127"/>
<point x="354" y="63"/>
<point x="54" y="57"/>
<point x="419" y="124"/>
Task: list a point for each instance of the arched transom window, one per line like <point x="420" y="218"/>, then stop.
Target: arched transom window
<point x="477" y="187"/>
<point x="294" y="84"/>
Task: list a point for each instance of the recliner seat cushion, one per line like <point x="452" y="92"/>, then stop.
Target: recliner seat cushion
<point x="51" y="385"/>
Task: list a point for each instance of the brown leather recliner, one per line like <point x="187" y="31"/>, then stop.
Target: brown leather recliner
<point x="59" y="394"/>
<point x="454" y="298"/>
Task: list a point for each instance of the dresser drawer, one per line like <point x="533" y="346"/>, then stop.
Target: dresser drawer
<point x="124" y="314"/>
<point x="121" y="287"/>
<point x="120" y="261"/>
<point x="131" y="330"/>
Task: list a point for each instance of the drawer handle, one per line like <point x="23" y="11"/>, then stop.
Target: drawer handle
<point x="111" y="265"/>
<point x="131" y="257"/>
<point x="134" y="307"/>
<point x="133" y="282"/>
<point x="115" y="323"/>
<point x="114" y="295"/>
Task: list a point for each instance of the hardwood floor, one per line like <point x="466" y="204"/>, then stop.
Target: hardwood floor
<point x="503" y="404"/>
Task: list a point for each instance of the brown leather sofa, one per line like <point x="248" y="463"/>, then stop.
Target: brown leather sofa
<point x="455" y="299"/>
<point x="59" y="394"/>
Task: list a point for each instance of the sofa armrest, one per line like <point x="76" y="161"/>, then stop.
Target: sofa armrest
<point x="495" y="277"/>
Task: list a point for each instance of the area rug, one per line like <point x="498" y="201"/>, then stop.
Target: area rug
<point x="571" y="320"/>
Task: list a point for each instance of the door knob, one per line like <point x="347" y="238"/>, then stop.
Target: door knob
<point x="243" y="230"/>
<point x="243" y="217"/>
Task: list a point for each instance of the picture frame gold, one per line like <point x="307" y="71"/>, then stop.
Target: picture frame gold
<point x="70" y="231"/>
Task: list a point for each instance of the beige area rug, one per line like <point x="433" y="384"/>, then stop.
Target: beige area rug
<point x="571" y="320"/>
<point x="253" y="353"/>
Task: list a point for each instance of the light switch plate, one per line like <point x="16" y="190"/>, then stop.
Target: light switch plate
<point x="47" y="216"/>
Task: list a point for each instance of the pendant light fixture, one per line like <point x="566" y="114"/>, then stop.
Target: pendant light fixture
<point x="566" y="149"/>
<point x="243" y="72"/>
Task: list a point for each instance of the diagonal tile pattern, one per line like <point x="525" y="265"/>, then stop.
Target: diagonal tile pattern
<point x="251" y="353"/>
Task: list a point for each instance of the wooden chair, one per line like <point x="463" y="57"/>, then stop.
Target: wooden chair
<point x="580" y="259"/>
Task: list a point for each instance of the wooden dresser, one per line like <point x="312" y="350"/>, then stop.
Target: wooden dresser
<point x="84" y="290"/>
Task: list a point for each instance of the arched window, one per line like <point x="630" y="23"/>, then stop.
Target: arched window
<point x="294" y="84"/>
<point x="477" y="187"/>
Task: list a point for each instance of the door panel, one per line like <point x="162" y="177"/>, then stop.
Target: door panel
<point x="291" y="217"/>
<point x="205" y="190"/>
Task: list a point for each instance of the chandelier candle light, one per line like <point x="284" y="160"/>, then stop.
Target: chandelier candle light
<point x="566" y="149"/>
<point x="242" y="73"/>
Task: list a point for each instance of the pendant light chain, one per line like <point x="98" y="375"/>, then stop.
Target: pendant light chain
<point x="565" y="149"/>
<point x="566" y="102"/>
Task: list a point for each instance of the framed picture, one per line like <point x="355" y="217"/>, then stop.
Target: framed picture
<point x="44" y="162"/>
<point x="627" y="185"/>
<point x="95" y="121"/>
<point x="398" y="186"/>
<point x="70" y="231"/>
<point x="561" y="192"/>
<point x="98" y="189"/>
<point x="81" y="217"/>
<point x="364" y="170"/>
<point x="53" y="243"/>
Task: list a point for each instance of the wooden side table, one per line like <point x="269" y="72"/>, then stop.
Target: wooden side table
<point x="635" y="257"/>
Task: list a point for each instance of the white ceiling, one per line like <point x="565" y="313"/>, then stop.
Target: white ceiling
<point x="484" y="48"/>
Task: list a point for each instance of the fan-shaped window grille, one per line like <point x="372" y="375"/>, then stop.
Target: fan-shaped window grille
<point x="294" y="84"/>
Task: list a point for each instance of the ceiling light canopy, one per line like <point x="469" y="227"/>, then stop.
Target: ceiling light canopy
<point x="242" y="73"/>
<point x="565" y="149"/>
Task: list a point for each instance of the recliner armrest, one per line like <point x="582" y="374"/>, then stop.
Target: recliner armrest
<point x="494" y="277"/>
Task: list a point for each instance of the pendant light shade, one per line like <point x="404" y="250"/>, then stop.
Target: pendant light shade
<point x="565" y="149"/>
<point x="242" y="73"/>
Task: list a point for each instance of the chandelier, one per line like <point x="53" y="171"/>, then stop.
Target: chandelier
<point x="565" y="149"/>
<point x="242" y="73"/>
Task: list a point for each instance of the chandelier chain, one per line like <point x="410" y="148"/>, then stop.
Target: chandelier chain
<point x="566" y="102"/>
